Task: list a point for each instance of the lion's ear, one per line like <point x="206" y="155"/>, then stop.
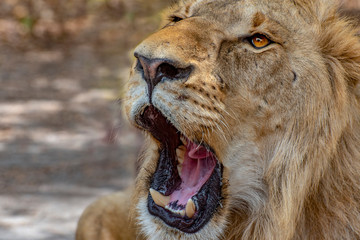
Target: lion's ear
<point x="338" y="39"/>
<point x="339" y="42"/>
<point x="317" y="10"/>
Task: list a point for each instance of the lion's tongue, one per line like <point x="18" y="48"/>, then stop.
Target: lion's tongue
<point x="198" y="166"/>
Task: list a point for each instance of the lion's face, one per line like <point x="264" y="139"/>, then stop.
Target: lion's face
<point x="216" y="90"/>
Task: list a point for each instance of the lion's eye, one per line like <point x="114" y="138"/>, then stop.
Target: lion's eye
<point x="259" y="41"/>
<point x="175" y="18"/>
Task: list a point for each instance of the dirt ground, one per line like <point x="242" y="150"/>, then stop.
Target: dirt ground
<point x="63" y="141"/>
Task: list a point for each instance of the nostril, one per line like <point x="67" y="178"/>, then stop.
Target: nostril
<point x="139" y="66"/>
<point x="167" y="70"/>
<point x="171" y="72"/>
<point x="155" y="70"/>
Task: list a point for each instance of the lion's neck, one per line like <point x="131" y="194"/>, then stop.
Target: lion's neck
<point x="324" y="191"/>
<point x="336" y="200"/>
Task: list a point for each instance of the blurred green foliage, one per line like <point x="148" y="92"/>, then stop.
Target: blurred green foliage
<point x="28" y="22"/>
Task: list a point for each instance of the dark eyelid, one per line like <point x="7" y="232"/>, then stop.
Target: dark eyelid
<point x="175" y="18"/>
<point x="262" y="34"/>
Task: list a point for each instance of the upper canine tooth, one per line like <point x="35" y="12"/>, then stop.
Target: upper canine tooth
<point x="180" y="153"/>
<point x="159" y="199"/>
<point x="183" y="139"/>
<point x="179" y="168"/>
<point x="190" y="208"/>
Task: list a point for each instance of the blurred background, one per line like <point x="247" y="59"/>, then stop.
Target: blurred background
<point x="63" y="141"/>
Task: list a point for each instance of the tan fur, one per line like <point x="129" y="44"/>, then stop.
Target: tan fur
<point x="283" y="120"/>
<point x="107" y="218"/>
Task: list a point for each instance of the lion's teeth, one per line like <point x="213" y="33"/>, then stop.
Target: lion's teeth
<point x="184" y="140"/>
<point x="178" y="212"/>
<point x="159" y="199"/>
<point x="182" y="213"/>
<point x="180" y="153"/>
<point x="179" y="168"/>
<point x="190" y="208"/>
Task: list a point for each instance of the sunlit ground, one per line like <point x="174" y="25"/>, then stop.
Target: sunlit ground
<point x="62" y="144"/>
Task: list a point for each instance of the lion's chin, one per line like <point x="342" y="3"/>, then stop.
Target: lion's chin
<point x="186" y="188"/>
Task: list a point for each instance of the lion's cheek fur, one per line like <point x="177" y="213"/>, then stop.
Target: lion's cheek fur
<point x="245" y="167"/>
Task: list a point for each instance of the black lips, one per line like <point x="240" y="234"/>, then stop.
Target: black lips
<point x="166" y="178"/>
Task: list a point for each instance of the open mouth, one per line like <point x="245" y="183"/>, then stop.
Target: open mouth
<point x="185" y="189"/>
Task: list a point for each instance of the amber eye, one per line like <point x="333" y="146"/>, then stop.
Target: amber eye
<point x="259" y="41"/>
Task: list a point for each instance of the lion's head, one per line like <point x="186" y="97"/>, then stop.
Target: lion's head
<point x="251" y="112"/>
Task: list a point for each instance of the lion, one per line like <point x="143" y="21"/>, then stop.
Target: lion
<point x="251" y="114"/>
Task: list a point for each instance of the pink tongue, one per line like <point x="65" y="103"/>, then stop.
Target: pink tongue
<point x="197" y="168"/>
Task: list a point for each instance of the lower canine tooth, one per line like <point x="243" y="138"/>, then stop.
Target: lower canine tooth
<point x="159" y="199"/>
<point x="182" y="213"/>
<point x="178" y="212"/>
<point x="190" y="208"/>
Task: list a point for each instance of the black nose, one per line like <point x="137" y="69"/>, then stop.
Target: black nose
<point x="157" y="70"/>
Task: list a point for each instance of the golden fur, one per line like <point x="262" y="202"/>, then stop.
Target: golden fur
<point x="284" y="121"/>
